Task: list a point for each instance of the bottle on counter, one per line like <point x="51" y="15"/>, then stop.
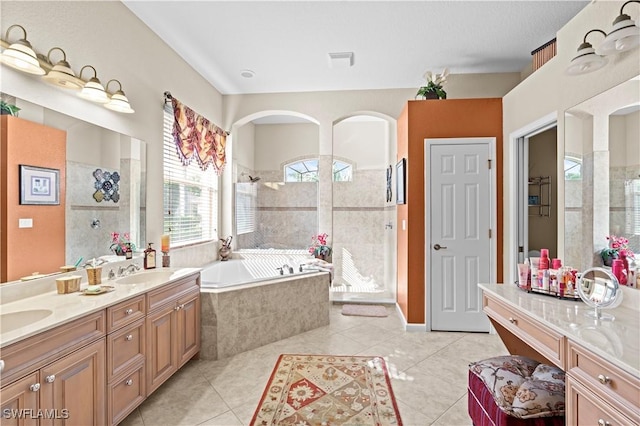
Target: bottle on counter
<point x="149" y="257"/>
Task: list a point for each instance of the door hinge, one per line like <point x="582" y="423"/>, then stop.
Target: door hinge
<point x="489" y="164"/>
<point x="489" y="233"/>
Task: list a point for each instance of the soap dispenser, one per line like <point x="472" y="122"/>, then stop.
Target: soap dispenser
<point x="149" y="257"/>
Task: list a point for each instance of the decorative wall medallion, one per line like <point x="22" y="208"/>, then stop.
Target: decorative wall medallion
<point x="106" y="186"/>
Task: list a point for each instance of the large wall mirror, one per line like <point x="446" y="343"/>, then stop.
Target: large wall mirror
<point x="602" y="174"/>
<point x="90" y="217"/>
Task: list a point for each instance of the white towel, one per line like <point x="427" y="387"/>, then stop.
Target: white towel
<point x="318" y="265"/>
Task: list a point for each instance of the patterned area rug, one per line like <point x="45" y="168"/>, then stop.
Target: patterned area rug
<point x="365" y="310"/>
<point x="310" y="390"/>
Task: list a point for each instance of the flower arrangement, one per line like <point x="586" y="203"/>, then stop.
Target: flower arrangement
<point x="434" y="85"/>
<point x="120" y="244"/>
<point x="319" y="247"/>
<point x="618" y="246"/>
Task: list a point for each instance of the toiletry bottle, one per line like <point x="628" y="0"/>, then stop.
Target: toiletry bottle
<point x="619" y="271"/>
<point x="149" y="258"/>
<point x="544" y="259"/>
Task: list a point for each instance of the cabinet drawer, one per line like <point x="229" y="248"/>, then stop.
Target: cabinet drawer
<point x="540" y="337"/>
<point x="171" y="292"/>
<point x="125" y="394"/>
<point x="125" y="348"/>
<point x="32" y="353"/>
<point x="602" y="377"/>
<point x="585" y="408"/>
<point x="125" y="313"/>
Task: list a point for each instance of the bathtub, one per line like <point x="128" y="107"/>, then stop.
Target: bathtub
<point x="246" y="303"/>
<point x="250" y="269"/>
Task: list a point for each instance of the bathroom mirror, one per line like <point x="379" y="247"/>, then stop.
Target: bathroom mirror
<point x="89" y="223"/>
<point x="601" y="164"/>
<point x="599" y="288"/>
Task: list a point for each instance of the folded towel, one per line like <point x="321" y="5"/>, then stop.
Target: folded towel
<point x="322" y="268"/>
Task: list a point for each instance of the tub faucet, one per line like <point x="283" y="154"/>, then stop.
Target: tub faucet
<point x="288" y="268"/>
<point x="280" y="270"/>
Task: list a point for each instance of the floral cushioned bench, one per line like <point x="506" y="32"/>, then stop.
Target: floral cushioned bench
<point x="515" y="390"/>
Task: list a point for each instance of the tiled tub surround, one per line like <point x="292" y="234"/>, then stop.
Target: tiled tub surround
<point x="247" y="316"/>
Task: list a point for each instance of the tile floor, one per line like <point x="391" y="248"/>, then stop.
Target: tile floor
<point x="428" y="370"/>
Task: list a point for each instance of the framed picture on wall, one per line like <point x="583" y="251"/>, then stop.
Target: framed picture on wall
<point x="39" y="185"/>
<point x="400" y="181"/>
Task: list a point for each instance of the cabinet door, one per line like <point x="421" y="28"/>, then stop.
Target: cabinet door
<point x="19" y="402"/>
<point x="161" y="352"/>
<point x="188" y="334"/>
<point x="74" y="387"/>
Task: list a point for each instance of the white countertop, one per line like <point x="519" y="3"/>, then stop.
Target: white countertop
<point x="68" y="307"/>
<point x="617" y="341"/>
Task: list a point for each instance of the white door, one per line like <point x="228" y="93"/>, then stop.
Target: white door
<point x="459" y="211"/>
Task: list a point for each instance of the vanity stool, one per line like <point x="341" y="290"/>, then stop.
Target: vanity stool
<point x="515" y="390"/>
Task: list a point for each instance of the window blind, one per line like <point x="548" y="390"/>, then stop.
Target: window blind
<point x="190" y="194"/>
<point x="246" y="196"/>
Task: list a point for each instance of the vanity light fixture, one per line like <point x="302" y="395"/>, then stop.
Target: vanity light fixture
<point x="20" y="55"/>
<point x="61" y="74"/>
<point x="93" y="89"/>
<point x="587" y="60"/>
<point x="625" y="34"/>
<point x="119" y="101"/>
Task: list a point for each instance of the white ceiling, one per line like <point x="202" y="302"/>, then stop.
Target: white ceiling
<point x="287" y="44"/>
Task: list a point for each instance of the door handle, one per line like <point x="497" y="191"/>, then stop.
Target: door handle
<point x="438" y="247"/>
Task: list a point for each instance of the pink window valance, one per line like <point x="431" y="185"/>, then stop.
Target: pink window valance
<point x="195" y="136"/>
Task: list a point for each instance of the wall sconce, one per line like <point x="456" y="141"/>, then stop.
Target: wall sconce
<point x="61" y="75"/>
<point x="119" y="101"/>
<point x="20" y="55"/>
<point x="93" y="90"/>
<point x="587" y="60"/>
<point x="625" y="34"/>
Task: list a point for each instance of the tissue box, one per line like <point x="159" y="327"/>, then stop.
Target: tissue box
<point x="68" y="284"/>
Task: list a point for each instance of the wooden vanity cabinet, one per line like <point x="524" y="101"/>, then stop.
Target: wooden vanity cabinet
<point x="60" y="375"/>
<point x="523" y="335"/>
<point x="597" y="390"/>
<point x="126" y="355"/>
<point x="173" y="327"/>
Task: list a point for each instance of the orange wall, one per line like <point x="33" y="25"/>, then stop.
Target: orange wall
<point x="452" y="118"/>
<point x="42" y="247"/>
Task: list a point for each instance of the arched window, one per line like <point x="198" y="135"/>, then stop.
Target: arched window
<point x="342" y="172"/>
<point x="302" y="171"/>
<point x="572" y="168"/>
<point x="307" y="171"/>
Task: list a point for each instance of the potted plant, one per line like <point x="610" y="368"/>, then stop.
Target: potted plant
<point x="433" y="89"/>
<point x="8" y="109"/>
<point x="121" y="244"/>
<point x="618" y="248"/>
<point x="319" y="248"/>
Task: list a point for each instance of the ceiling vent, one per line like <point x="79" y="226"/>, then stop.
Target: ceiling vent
<point x="339" y="60"/>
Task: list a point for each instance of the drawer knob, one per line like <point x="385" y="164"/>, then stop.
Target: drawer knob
<point x="1" y="365"/>
<point x="177" y="308"/>
<point x="603" y="422"/>
<point x="50" y="379"/>
<point x="128" y="311"/>
<point x="34" y="387"/>
<point x="603" y="379"/>
<point x="513" y="320"/>
<point x="129" y="382"/>
<point x="129" y="337"/>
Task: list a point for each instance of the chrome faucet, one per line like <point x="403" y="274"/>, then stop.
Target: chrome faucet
<point x="287" y="268"/>
<point x="128" y="270"/>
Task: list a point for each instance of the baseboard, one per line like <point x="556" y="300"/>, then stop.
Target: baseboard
<point x="410" y="327"/>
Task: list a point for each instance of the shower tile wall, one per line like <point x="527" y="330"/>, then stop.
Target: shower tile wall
<point x="359" y="218"/>
<point x="573" y="233"/>
<point x="287" y="213"/>
<point x="81" y="209"/>
<point x="617" y="210"/>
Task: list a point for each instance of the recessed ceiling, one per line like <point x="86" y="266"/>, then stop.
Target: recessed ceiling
<point x="287" y="43"/>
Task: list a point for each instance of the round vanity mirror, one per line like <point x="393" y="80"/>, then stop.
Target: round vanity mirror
<point x="599" y="288"/>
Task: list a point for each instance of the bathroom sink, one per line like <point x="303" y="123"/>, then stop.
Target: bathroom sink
<point x="146" y="277"/>
<point x="12" y="320"/>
